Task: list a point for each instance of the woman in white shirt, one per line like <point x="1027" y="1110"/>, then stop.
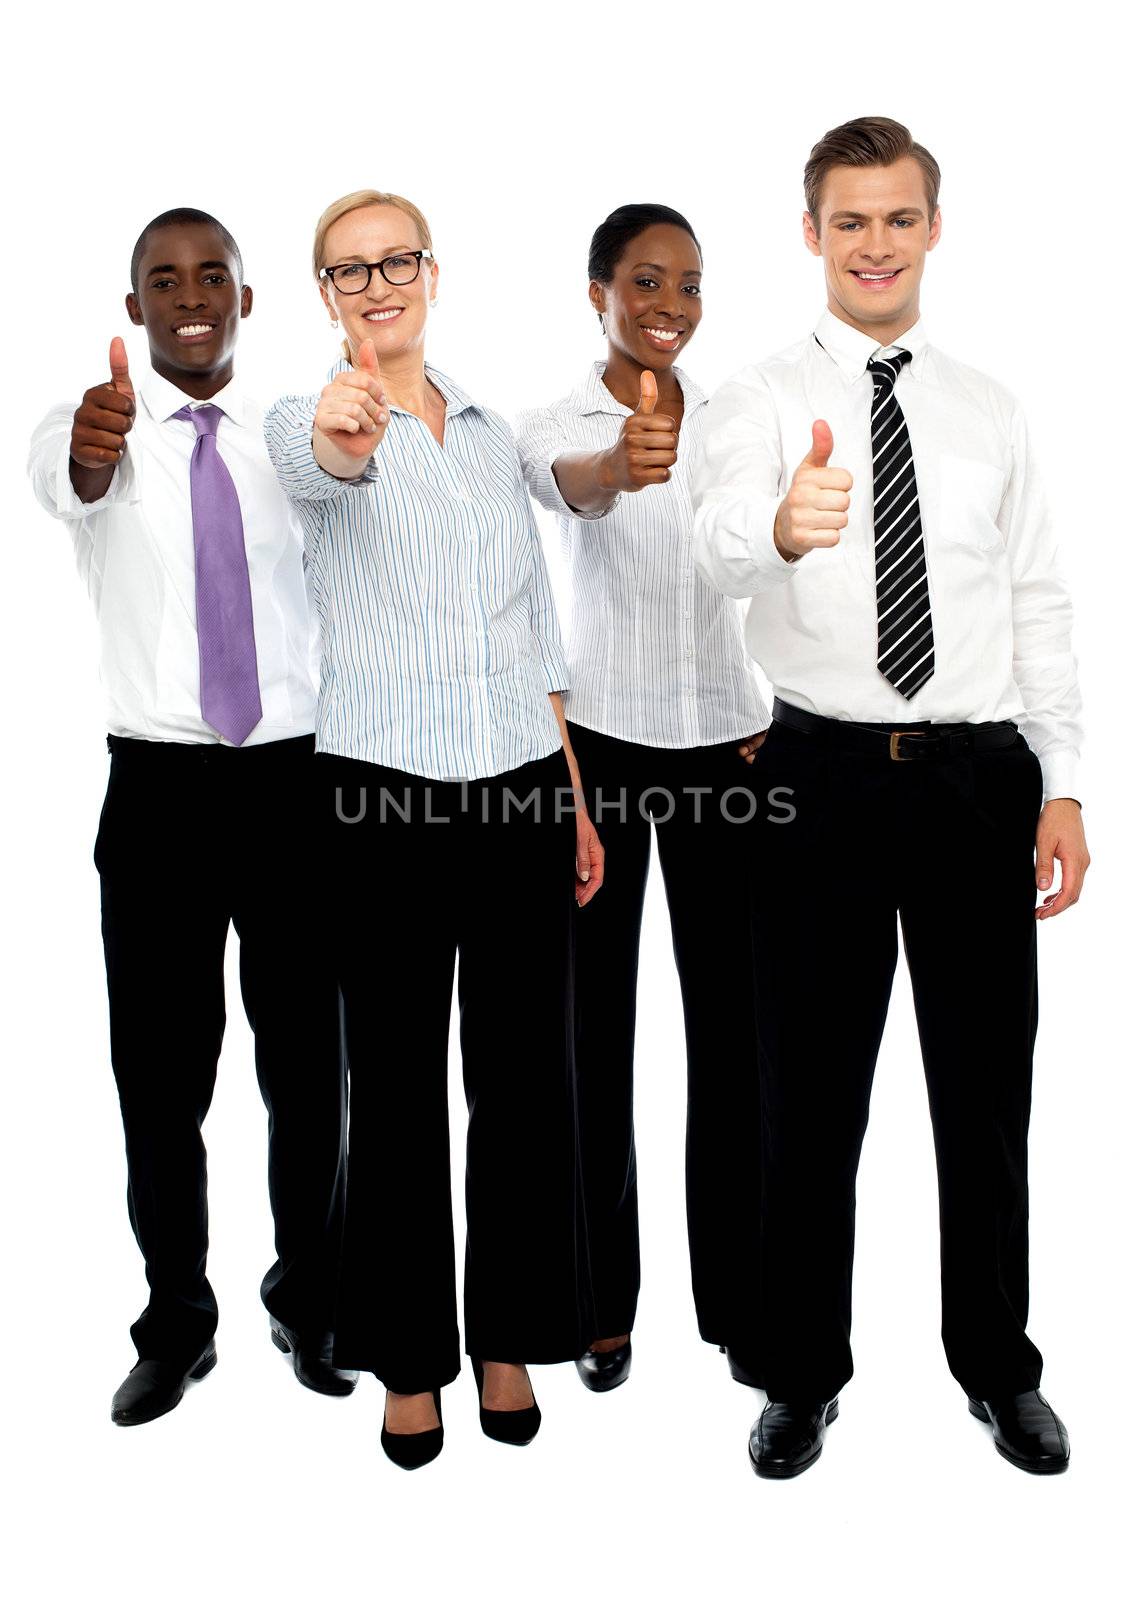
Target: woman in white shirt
<point x="448" y="831"/>
<point x="662" y="706"/>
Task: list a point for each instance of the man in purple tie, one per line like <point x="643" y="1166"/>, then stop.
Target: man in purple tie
<point x="194" y="563"/>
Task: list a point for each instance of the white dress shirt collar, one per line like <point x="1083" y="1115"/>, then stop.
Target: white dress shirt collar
<point x="163" y="399"/>
<point x="593" y="396"/>
<point x="851" y="349"/>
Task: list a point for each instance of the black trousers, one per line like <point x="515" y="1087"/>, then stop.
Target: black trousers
<point x="193" y="838"/>
<point x="421" y="872"/>
<point x="946" y="849"/>
<point x="698" y="800"/>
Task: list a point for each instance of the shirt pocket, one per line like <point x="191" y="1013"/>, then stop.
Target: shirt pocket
<point x="969" y="494"/>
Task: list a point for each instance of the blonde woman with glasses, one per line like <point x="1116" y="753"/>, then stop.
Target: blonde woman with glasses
<point x="451" y="830"/>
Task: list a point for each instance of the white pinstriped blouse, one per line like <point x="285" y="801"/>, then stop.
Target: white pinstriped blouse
<point x="656" y="655"/>
<point x="440" y="641"/>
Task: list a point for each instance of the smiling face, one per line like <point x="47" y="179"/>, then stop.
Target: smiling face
<point x="393" y="316"/>
<point x="653" y="304"/>
<point x="873" y="235"/>
<point x="189" y="301"/>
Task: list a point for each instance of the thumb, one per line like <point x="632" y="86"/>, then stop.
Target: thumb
<point x="119" y="368"/>
<point x="367" y="359"/>
<point x="649" y="394"/>
<point x="822" y="446"/>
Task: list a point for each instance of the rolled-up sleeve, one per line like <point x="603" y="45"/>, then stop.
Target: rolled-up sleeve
<point x="288" y="438"/>
<point x="541" y="437"/>
<point x="1045" y="668"/>
<point x="737" y="488"/>
<point x="48" y="467"/>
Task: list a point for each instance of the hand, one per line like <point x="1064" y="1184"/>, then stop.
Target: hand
<point x="815" y="507"/>
<point x="97" y="439"/>
<point x="353" y="413"/>
<point x="590" y="858"/>
<point x="1061" y="837"/>
<point x="646" y="449"/>
<point x="748" y="750"/>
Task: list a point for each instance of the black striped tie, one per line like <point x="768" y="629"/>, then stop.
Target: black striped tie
<point x="905" y="622"/>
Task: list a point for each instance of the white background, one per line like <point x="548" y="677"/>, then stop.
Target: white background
<point x="517" y="129"/>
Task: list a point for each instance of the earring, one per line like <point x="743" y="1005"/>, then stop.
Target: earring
<point x="601" y="320"/>
<point x="335" y="324"/>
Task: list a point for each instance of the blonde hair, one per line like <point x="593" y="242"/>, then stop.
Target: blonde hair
<point x="357" y="202"/>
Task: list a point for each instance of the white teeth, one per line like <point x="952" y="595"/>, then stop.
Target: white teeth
<point x="668" y="336"/>
<point x="876" y="277"/>
<point x="194" y="328"/>
<point x="381" y="316"/>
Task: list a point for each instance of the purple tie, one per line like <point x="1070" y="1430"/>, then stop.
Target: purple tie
<point x="224" y="615"/>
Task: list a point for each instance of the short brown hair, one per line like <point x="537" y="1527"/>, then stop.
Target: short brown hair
<point x="867" y="142"/>
<point x="358" y="201"/>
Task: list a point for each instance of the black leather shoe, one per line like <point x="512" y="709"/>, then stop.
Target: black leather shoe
<point x="506" y="1427"/>
<point x="602" y="1370"/>
<point x="740" y="1372"/>
<point x="154" y="1387"/>
<point x="312" y="1360"/>
<point x="412" y="1450"/>
<point x="788" y="1439"/>
<point x="1027" y="1431"/>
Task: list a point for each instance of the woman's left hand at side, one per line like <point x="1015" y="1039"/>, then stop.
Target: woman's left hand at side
<point x="590" y="859"/>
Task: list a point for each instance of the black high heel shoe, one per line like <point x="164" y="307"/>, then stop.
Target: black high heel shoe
<point x="411" y="1450"/>
<point x="602" y="1370"/>
<point x="506" y="1427"/>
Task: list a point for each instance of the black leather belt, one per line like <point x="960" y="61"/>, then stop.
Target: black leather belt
<point x="909" y="741"/>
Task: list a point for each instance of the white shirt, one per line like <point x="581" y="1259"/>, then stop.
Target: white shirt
<point x="656" y="656"/>
<point x="440" y="638"/>
<point x="1001" y="612"/>
<point x="136" y="554"/>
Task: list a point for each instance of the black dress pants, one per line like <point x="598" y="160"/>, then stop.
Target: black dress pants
<point x="848" y="846"/>
<point x="699" y="801"/>
<point x="420" y="872"/>
<point x="193" y="838"/>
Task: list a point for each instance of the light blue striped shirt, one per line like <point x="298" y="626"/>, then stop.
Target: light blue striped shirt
<point x="439" y="637"/>
<point x="656" y="654"/>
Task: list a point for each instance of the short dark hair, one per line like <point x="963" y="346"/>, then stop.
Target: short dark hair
<point x="618" y="230"/>
<point x="182" y="216"/>
<point x="867" y="142"/>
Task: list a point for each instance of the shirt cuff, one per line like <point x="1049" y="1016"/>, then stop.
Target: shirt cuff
<point x="123" y="488"/>
<point x="1060" y="775"/>
<point x="544" y="488"/>
<point x="288" y="437"/>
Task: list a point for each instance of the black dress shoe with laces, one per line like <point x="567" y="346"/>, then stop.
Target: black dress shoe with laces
<point x="787" y="1439"/>
<point x="1027" y="1431"/>
<point x="312" y="1360"/>
<point x="412" y="1450"/>
<point x="154" y="1387"/>
<point x="602" y="1370"/>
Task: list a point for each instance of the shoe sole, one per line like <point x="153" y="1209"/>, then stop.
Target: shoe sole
<point x="794" y="1472"/>
<point x="1043" y="1469"/>
<point x="198" y="1372"/>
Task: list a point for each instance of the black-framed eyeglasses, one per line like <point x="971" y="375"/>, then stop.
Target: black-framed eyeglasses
<point x="352" y="277"/>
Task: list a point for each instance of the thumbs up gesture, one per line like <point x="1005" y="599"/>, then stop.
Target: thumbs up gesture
<point x="352" y="415"/>
<point x="97" y="438"/>
<point x="645" y="452"/>
<point x="815" y="507"/>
